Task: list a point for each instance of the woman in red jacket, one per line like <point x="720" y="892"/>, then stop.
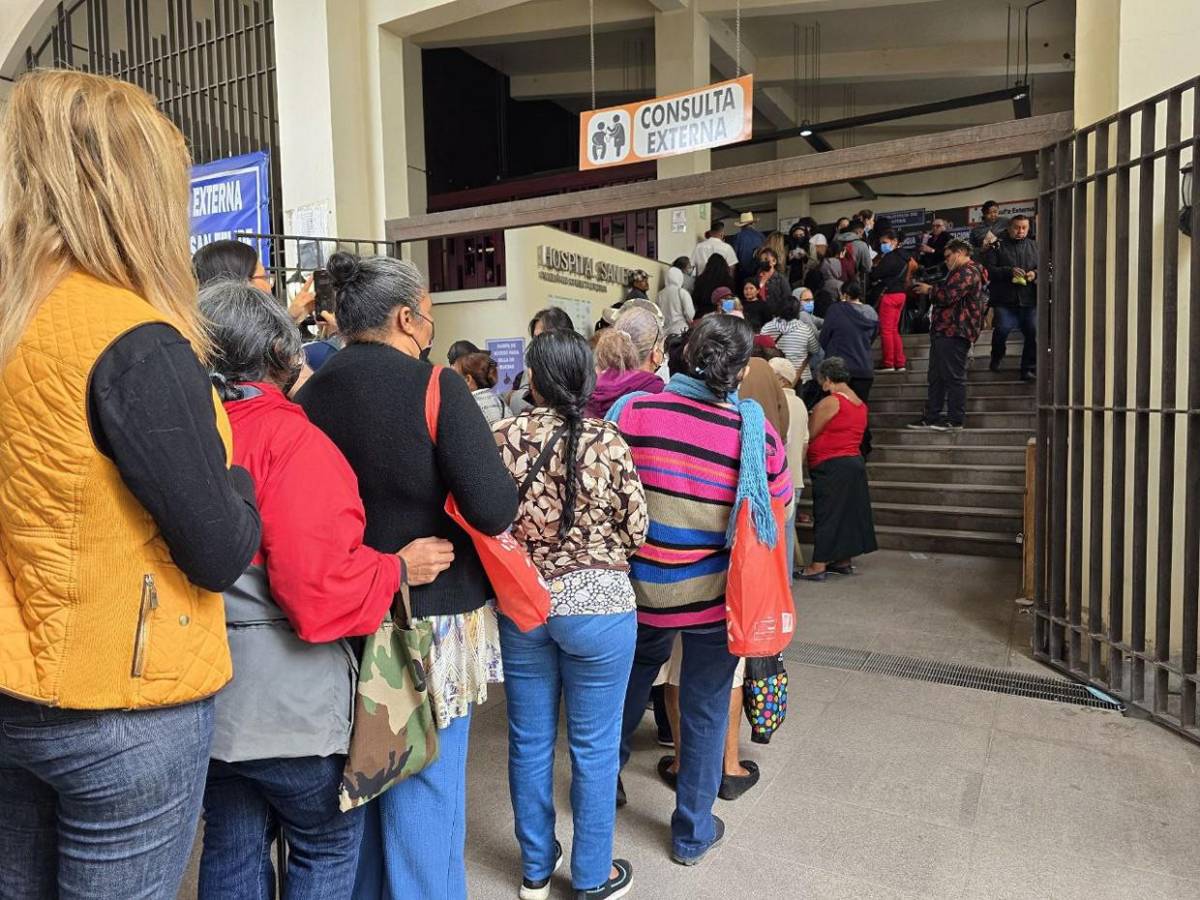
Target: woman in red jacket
<point x="283" y="724"/>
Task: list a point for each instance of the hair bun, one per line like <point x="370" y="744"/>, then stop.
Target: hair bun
<point x="343" y="268"/>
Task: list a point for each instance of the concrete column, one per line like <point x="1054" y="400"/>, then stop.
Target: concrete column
<point x="790" y="205"/>
<point x="1097" y="59"/>
<point x="681" y="62"/>
<point x="351" y="129"/>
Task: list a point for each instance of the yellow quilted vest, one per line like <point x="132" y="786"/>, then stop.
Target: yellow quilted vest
<point x="93" y="613"/>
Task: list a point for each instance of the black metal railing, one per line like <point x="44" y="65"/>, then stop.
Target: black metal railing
<point x="1118" y="552"/>
<point x="214" y="77"/>
<point x="291" y="258"/>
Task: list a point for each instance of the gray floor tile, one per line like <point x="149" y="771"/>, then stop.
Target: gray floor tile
<point x="866" y="728"/>
<point x="862" y="843"/>
<point x="732" y="875"/>
<point x="921" y="786"/>
<point x="924" y="700"/>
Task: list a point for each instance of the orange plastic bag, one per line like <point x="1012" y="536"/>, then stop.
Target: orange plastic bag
<point x="760" y="614"/>
<point x="521" y="592"/>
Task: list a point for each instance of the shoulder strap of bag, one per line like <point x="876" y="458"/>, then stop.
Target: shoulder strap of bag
<point x="541" y="461"/>
<point x="433" y="402"/>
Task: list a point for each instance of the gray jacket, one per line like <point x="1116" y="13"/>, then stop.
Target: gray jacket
<point x="862" y="254"/>
<point x="299" y="696"/>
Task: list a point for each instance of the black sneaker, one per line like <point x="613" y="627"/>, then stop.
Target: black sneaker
<point x="693" y="860"/>
<point x="621" y="800"/>
<point x="1029" y="376"/>
<point x="994" y="365"/>
<point x="614" y="887"/>
<point x="951" y="426"/>
<point x="939" y="426"/>
<point x="920" y="425"/>
<point x="540" y="890"/>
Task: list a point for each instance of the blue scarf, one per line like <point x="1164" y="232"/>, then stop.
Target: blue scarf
<point x="752" y="468"/>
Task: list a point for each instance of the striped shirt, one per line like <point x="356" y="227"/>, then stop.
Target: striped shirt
<point x="796" y="340"/>
<point x="687" y="454"/>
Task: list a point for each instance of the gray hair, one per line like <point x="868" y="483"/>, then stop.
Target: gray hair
<point x="833" y="368"/>
<point x="370" y="288"/>
<point x="643" y="327"/>
<point x="254" y="337"/>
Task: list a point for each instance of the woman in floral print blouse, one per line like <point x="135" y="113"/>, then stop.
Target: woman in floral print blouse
<point x="582" y="515"/>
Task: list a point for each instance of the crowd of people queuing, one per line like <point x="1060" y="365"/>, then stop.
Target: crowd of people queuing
<point x="200" y="516"/>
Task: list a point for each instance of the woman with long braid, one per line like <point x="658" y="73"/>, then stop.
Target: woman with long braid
<point x="582" y="514"/>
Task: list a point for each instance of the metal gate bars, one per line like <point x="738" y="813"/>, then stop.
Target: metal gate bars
<point x="1118" y="472"/>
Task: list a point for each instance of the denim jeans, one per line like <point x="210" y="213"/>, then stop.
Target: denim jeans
<point x="1009" y="318"/>
<point x="414" y="835"/>
<point x="247" y="804"/>
<point x="586" y="660"/>
<point x="705" y="680"/>
<point x="99" y="803"/>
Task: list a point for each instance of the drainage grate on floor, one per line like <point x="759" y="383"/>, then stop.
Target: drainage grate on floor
<point x="1000" y="681"/>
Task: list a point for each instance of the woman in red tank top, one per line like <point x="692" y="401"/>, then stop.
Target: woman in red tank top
<point x="843" y="524"/>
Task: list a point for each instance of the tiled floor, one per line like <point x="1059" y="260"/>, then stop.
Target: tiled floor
<point x="883" y="788"/>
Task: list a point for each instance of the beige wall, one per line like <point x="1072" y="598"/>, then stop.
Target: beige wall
<point x="525" y="293"/>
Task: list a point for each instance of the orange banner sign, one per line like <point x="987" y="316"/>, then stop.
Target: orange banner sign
<point x="699" y="119"/>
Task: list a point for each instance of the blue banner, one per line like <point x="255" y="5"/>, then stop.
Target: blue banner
<point x="231" y="195"/>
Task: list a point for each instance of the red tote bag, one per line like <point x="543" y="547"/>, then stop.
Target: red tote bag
<point x="760" y="613"/>
<point x="521" y="593"/>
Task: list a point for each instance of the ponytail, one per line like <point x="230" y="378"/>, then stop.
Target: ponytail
<point x="564" y="374"/>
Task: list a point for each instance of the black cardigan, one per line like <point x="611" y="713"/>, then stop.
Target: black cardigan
<point x="370" y="400"/>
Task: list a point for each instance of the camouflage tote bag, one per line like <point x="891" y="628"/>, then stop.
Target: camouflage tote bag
<point x="394" y="734"/>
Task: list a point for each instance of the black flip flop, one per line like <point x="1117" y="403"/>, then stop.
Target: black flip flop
<point x="665" y="773"/>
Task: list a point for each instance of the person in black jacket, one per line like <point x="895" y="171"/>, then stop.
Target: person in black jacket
<point x="773" y="289"/>
<point x="370" y="400"/>
<point x="888" y="279"/>
<point x="1012" y="266"/>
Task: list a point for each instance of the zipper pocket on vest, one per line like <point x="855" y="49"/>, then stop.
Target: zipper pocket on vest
<point x="149" y="602"/>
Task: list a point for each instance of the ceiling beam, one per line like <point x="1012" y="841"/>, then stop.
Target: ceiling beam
<point x="754" y="8"/>
<point x="774" y="103"/>
<point x="539" y="20"/>
<point x="977" y="144"/>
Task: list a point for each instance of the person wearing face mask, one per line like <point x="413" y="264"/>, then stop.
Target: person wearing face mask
<point x="888" y="279"/>
<point x="773" y="289"/>
<point x="370" y="400"/>
<point x="313" y="583"/>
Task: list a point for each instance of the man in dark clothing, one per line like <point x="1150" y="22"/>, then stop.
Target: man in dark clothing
<point x="933" y="251"/>
<point x="953" y="329"/>
<point x="990" y="229"/>
<point x="1012" y="264"/>
<point x="852" y="237"/>
<point x="848" y="331"/>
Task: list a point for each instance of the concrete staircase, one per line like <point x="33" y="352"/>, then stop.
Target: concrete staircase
<point x="942" y="492"/>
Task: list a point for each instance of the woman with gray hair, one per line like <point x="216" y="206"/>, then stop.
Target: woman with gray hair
<point x="370" y="400"/>
<point x="627" y="357"/>
<point x="843" y="524"/>
<point x="283" y="725"/>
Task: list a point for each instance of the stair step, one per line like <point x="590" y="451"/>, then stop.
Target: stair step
<point x="994" y="496"/>
<point x="916" y="404"/>
<point x="968" y="437"/>
<point x="949" y="454"/>
<point x="885" y="387"/>
<point x="939" y="541"/>
<point x="941" y="473"/>
<point x="976" y="374"/>
<point x="954" y="518"/>
<point x="899" y="418"/>
<point x="985" y="337"/>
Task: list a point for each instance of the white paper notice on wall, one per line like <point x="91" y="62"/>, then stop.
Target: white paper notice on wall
<point x="580" y="312"/>
<point x="310" y="221"/>
<point x="679" y="221"/>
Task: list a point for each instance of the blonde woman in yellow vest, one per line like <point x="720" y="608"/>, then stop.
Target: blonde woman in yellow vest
<point x="120" y="519"/>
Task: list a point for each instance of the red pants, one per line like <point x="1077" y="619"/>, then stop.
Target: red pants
<point x="890" y="307"/>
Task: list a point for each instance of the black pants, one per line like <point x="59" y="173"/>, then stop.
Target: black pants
<point x="947" y="379"/>
<point x="862" y="387"/>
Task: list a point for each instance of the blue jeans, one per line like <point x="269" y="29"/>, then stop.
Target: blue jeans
<point x="705" y="681"/>
<point x="246" y="804"/>
<point x="99" y="803"/>
<point x="586" y="660"/>
<point x="414" y="835"/>
<point x="791" y="535"/>
<point x="1009" y="318"/>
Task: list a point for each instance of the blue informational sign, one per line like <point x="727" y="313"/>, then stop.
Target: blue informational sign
<point x="509" y="354"/>
<point x="903" y="218"/>
<point x="231" y="195"/>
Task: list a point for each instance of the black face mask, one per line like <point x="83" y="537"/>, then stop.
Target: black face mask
<point x="764" y="265"/>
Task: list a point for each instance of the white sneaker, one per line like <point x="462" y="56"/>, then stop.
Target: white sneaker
<point x="902" y="369"/>
<point x="883" y="371"/>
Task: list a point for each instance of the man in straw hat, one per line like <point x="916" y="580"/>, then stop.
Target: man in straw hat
<point x="746" y="242"/>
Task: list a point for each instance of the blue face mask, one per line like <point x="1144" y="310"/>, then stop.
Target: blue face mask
<point x="808" y="306"/>
<point x="886" y="247"/>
